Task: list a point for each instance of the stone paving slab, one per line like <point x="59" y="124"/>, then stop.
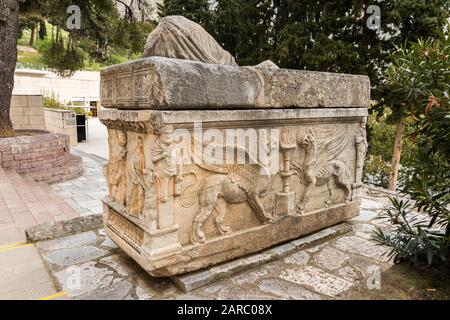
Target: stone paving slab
<point x="88" y="267"/>
<point x="23" y="274"/>
<point x="195" y="280"/>
<point x="331" y="268"/>
<point x="84" y="194"/>
<point x="287" y="290"/>
<point x="320" y="281"/>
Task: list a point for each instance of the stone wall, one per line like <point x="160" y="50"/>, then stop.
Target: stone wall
<point x="63" y="122"/>
<point x="43" y="156"/>
<point x="27" y="112"/>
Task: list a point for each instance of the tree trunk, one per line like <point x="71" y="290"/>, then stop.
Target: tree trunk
<point x="33" y="31"/>
<point x="396" y="155"/>
<point x="9" y="27"/>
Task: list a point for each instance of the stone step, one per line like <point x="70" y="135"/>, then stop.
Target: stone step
<point x="15" y="210"/>
<point x="194" y="280"/>
<point x="25" y="202"/>
<point x="70" y="170"/>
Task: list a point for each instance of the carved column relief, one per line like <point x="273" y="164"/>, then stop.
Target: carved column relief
<point x="158" y="204"/>
<point x="137" y="186"/>
<point x="166" y="156"/>
<point x="361" y="149"/>
<point x="284" y="201"/>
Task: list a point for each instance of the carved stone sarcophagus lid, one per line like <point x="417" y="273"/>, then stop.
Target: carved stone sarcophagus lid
<point x="210" y="161"/>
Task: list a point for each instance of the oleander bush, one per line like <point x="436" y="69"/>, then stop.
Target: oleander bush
<point x="421" y="224"/>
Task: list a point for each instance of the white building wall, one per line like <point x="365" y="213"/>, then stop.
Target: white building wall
<point x="84" y="85"/>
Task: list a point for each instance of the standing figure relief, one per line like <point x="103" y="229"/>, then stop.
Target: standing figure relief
<point x="167" y="159"/>
<point x="137" y="184"/>
<point x="115" y="170"/>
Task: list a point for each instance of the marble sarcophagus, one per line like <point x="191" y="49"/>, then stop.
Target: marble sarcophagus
<point x="210" y="162"/>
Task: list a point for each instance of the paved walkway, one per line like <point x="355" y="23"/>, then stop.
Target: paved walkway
<point x="23" y="275"/>
<point x="97" y="140"/>
<point x="84" y="194"/>
<point x="90" y="266"/>
<point x="25" y="203"/>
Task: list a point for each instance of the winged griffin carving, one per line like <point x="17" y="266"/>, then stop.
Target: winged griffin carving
<point x="320" y="166"/>
<point x="230" y="184"/>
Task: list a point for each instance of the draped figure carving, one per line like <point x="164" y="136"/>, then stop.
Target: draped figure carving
<point x="181" y="38"/>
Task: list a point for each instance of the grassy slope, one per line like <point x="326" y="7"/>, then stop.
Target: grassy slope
<point x="35" y="61"/>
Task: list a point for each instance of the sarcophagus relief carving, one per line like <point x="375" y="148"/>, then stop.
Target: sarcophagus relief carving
<point x="211" y="162"/>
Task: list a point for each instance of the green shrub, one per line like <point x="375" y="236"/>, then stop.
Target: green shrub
<point x="115" y="59"/>
<point x="43" y="45"/>
<point x="376" y="171"/>
<point x="51" y="101"/>
<point x="64" y="59"/>
<point x="80" y="110"/>
<point x="421" y="225"/>
<point x="412" y="237"/>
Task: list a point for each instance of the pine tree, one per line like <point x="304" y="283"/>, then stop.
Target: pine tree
<point x="196" y="10"/>
<point x="244" y="29"/>
<point x="99" y="17"/>
<point x="329" y="36"/>
<point x="324" y="35"/>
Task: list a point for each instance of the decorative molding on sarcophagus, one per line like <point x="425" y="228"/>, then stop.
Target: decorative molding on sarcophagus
<point x="265" y="155"/>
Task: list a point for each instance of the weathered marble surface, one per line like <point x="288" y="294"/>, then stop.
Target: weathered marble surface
<point x="163" y="83"/>
<point x="178" y="37"/>
<point x="171" y="229"/>
<point x="191" y="189"/>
